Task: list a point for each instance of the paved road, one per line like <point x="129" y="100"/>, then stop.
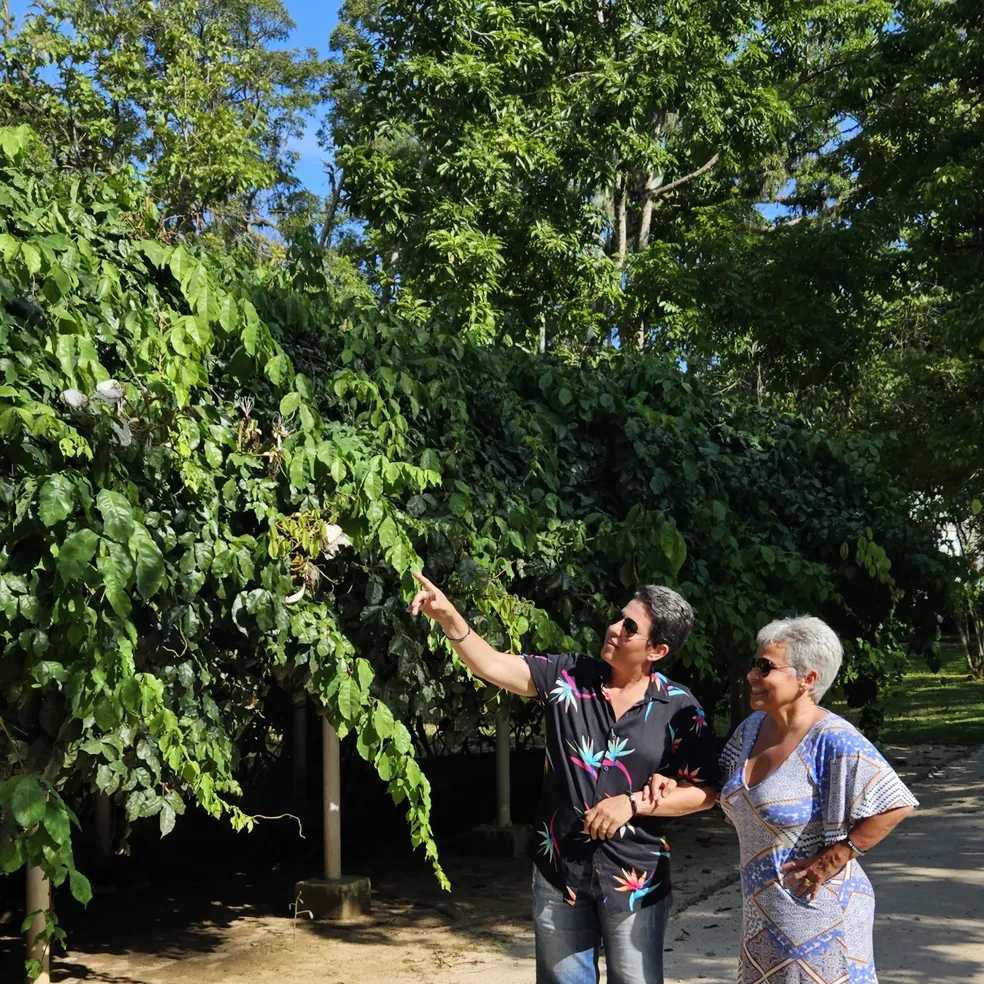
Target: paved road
<point x="929" y="883"/>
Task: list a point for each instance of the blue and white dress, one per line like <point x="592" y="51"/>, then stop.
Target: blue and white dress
<point x="831" y="780"/>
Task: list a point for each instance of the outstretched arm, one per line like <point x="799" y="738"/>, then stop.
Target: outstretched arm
<point x="500" y="669"/>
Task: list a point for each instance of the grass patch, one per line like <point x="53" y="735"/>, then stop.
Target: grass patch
<point x="945" y="707"/>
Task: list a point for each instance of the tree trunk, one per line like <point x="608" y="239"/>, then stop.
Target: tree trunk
<point x="38" y="898"/>
<point x="646" y="218"/>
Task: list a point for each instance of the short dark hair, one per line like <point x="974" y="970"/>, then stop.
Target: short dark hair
<point x="672" y="616"/>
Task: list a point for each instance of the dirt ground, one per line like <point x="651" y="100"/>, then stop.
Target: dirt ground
<point x="243" y="929"/>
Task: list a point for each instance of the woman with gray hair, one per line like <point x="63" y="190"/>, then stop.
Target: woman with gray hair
<point x="808" y="795"/>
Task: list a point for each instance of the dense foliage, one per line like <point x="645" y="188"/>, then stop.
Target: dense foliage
<point x="224" y="451"/>
<point x="178" y="491"/>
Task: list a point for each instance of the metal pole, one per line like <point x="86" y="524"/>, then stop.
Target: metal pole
<point x="38" y="897"/>
<point x="332" y="783"/>
<point x="299" y="752"/>
<point x="503" y="813"/>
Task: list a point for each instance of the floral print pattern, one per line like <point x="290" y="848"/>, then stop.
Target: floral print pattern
<point x="591" y="756"/>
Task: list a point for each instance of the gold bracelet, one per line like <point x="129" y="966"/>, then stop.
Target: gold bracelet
<point x="462" y="639"/>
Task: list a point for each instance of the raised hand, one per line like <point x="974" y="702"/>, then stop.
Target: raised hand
<point x="432" y="601"/>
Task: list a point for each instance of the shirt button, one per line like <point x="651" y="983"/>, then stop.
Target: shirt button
<point x="605" y="768"/>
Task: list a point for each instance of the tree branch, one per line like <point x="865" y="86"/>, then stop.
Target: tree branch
<point x="703" y="169"/>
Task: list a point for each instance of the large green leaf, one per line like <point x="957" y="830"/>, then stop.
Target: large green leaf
<point x="28" y="802"/>
<point x="75" y="554"/>
<point x="117" y="515"/>
<point x="56" y="499"/>
<point x="148" y="561"/>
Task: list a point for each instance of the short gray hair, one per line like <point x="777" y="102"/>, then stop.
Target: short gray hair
<point x="809" y="644"/>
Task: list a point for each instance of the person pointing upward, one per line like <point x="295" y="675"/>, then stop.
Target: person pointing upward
<point x="601" y="864"/>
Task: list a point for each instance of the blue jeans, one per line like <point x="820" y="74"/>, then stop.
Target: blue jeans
<point x="568" y="939"/>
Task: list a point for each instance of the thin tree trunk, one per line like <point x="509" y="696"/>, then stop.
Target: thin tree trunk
<point x="646" y="218"/>
<point x="324" y="240"/>
<point x="622" y="218"/>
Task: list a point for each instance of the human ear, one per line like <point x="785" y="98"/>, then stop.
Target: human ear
<point x="658" y="652"/>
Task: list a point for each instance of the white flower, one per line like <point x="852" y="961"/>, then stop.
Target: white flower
<point x="334" y="540"/>
<point x="73" y="398"/>
<point x="109" y="390"/>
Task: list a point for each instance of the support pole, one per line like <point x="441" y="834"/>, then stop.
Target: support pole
<point x="503" y="814"/>
<point x="38" y="897"/>
<point x="332" y="785"/>
<point x="102" y="810"/>
<point x="299" y="753"/>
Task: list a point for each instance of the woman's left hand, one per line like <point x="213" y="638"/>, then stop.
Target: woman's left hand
<point x="807" y="875"/>
<point x="605" y="819"/>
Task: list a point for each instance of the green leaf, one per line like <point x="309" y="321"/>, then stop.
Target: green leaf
<point x="79" y="884"/>
<point x="56" y="821"/>
<point x="31" y="256"/>
<point x="117" y="515"/>
<point x="348" y="700"/>
<point x="56" y="499"/>
<point x="382" y="720"/>
<point x="75" y="554"/>
<point x="276" y="369"/>
<point x="149" y="562"/>
<point x="289" y="404"/>
<point x="167" y="818"/>
<point x="28" y="802"/>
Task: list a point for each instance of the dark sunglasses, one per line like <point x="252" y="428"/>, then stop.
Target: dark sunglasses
<point x="765" y="666"/>
<point x="629" y="625"/>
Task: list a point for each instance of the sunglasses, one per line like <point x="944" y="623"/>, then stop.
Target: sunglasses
<point x="629" y="625"/>
<point x="765" y="666"/>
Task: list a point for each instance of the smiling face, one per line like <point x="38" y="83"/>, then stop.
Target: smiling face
<point x="774" y="684"/>
<point x="626" y="641"/>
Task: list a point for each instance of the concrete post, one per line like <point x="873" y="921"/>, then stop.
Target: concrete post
<point x="333" y="898"/>
<point x="503" y="814"/>
<point x="38" y="897"/>
<point x="332" y="786"/>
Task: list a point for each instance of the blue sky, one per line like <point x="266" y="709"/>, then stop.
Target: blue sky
<point x="315" y="21"/>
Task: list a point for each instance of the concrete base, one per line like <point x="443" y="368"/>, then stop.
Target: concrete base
<point x="345" y="899"/>
<point x="490" y="841"/>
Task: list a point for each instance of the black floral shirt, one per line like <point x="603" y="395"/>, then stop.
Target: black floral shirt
<point x="590" y="756"/>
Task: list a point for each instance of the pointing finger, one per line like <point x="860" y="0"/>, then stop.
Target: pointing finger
<point x="423" y="580"/>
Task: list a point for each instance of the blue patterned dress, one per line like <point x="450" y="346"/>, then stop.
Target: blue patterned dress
<point x="831" y="780"/>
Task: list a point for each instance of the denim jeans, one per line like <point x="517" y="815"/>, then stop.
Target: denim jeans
<point x="569" y="937"/>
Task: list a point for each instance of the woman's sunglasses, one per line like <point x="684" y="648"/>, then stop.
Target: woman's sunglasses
<point x="629" y="625"/>
<point x="765" y="666"/>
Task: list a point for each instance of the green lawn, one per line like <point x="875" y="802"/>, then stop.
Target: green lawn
<point x="929" y="707"/>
